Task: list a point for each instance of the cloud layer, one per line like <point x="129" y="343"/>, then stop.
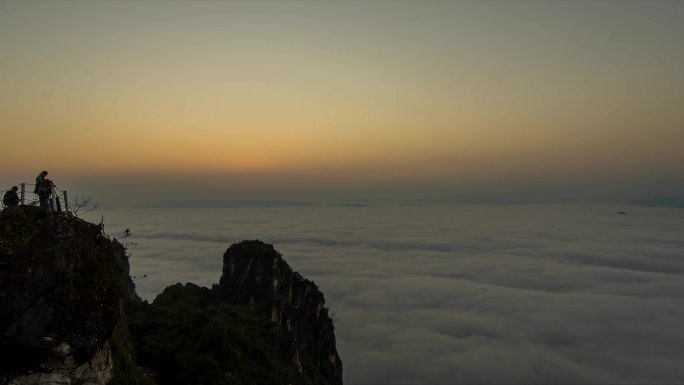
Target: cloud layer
<point x="458" y="294"/>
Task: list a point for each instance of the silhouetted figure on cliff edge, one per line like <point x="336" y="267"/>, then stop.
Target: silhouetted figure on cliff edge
<point x="43" y="189"/>
<point x="11" y="198"/>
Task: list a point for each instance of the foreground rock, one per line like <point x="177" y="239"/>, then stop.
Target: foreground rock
<point x="61" y="286"/>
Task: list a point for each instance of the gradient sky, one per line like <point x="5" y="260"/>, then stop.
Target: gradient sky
<point x="142" y="101"/>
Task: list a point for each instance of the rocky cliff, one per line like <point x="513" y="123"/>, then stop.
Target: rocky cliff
<point x="262" y="324"/>
<point x="254" y="273"/>
<point x="61" y="287"/>
<point x="69" y="315"/>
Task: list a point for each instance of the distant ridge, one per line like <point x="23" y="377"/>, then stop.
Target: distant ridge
<point x="673" y="202"/>
<point x="213" y="204"/>
<point x="348" y="205"/>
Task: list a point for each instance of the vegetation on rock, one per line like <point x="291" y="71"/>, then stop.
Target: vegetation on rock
<point x="67" y="298"/>
<point x="187" y="336"/>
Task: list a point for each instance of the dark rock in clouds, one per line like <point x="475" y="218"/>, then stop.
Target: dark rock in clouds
<point x="254" y="273"/>
<point x="262" y="324"/>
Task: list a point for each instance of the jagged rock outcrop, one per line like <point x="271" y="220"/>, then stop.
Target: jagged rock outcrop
<point x="255" y="273"/>
<point x="61" y="287"/>
<point x="262" y="324"/>
<point x="64" y="286"/>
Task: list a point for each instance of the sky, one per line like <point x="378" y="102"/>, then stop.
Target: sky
<point x="456" y="294"/>
<point x="137" y="102"/>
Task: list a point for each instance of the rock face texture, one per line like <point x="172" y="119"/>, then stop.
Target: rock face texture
<point x="302" y="331"/>
<point x="262" y="324"/>
<point x="61" y="287"/>
<point x="69" y="315"/>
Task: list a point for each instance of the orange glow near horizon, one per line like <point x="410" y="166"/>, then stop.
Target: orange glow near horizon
<point x="406" y="92"/>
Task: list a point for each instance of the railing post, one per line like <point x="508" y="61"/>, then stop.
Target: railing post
<point x="53" y="196"/>
<point x="23" y="193"/>
<point x="66" y="202"/>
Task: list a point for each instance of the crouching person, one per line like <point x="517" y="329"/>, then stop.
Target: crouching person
<point x="11" y="197"/>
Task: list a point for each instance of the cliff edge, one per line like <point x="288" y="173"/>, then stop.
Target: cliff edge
<point x="255" y="273"/>
<point x="69" y="315"/>
<point x="61" y="287"/>
<point x="262" y="324"/>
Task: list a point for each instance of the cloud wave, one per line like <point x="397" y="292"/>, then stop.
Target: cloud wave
<point x="459" y="294"/>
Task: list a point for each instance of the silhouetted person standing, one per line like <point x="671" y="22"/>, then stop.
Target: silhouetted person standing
<point x="11" y="197"/>
<point x="43" y="189"/>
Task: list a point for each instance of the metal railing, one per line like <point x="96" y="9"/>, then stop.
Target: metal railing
<point x="54" y="196"/>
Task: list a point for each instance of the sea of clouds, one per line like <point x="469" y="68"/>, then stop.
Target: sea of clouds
<point x="459" y="293"/>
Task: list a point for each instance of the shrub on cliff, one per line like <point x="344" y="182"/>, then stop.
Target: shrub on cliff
<point x="186" y="336"/>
